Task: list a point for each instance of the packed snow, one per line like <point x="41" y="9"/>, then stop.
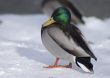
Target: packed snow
<point x="22" y="54"/>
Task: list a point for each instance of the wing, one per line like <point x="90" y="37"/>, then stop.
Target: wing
<point x="79" y="39"/>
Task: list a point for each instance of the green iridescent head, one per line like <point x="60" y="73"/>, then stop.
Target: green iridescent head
<point x="62" y="16"/>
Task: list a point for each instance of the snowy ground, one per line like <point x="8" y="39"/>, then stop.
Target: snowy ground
<point x="22" y="54"/>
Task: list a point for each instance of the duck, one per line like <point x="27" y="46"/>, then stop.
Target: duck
<point x="48" y="6"/>
<point x="65" y="41"/>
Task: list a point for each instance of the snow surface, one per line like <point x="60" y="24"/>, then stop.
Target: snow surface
<point x="22" y="54"/>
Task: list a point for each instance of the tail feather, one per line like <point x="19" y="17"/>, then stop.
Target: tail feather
<point x="84" y="63"/>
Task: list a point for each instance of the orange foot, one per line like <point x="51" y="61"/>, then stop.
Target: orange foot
<point x="60" y="66"/>
<point x="54" y="66"/>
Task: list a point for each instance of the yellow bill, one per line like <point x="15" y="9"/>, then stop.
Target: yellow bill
<point x="49" y="22"/>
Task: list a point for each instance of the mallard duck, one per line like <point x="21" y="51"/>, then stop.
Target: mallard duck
<point x="65" y="41"/>
<point x="50" y="5"/>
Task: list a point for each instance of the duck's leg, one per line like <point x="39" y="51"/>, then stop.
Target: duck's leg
<point x="56" y="62"/>
<point x="55" y="65"/>
<point x="59" y="66"/>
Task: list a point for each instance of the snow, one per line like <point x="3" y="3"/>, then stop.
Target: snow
<point x="22" y="54"/>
